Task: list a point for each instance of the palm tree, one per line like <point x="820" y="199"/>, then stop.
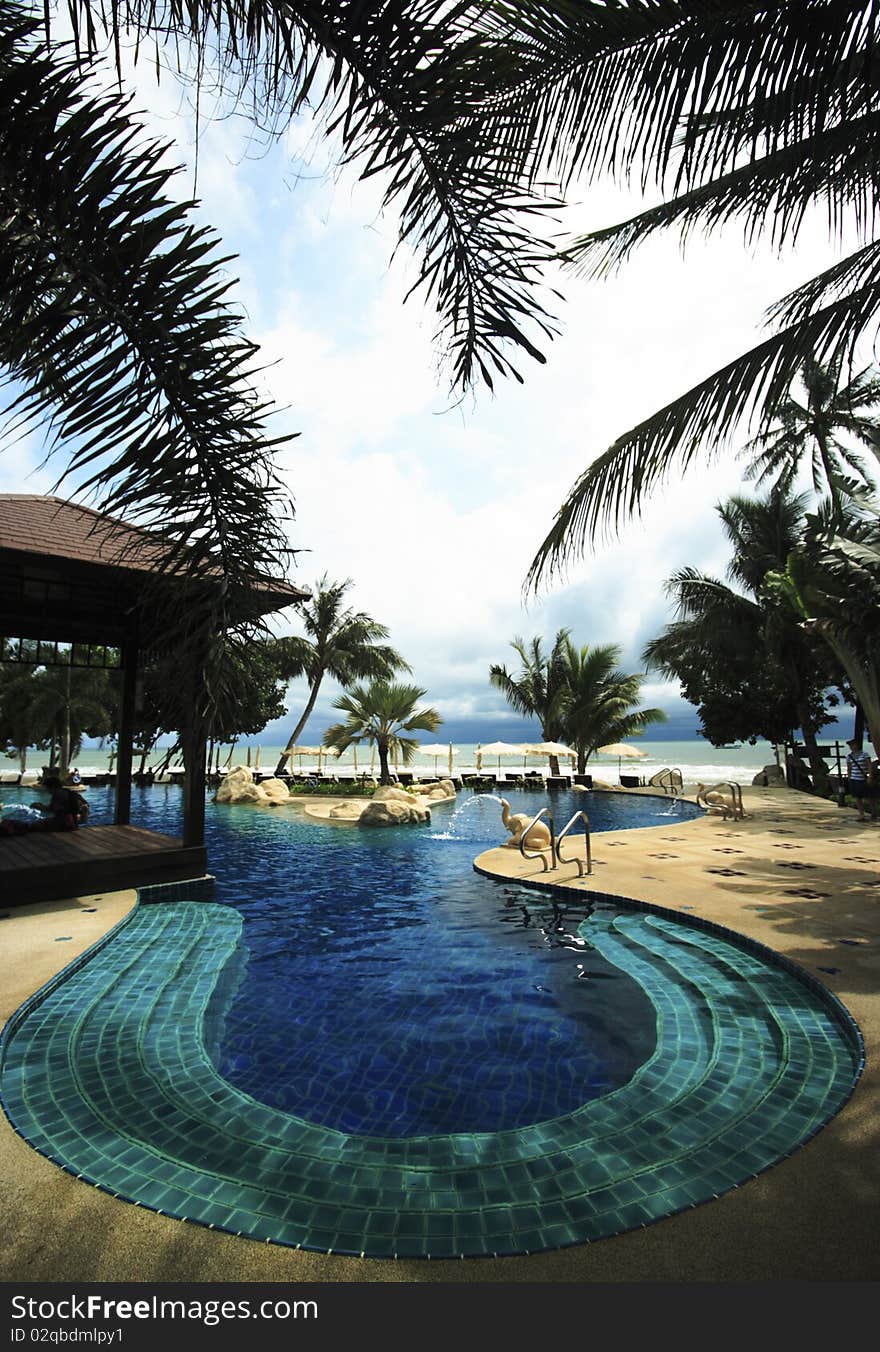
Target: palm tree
<point x="831" y="585"/>
<point x="68" y="703"/>
<point x="17" y="728"/>
<point x="381" y="714"/>
<point x="810" y="430"/>
<point x="744" y="115"/>
<point x="537" y="690"/>
<point x="599" y="700"/>
<point x="727" y="642"/>
<point x="343" y="644"/>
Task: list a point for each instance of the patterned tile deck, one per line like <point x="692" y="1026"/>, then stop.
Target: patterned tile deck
<point x="107" y="1073"/>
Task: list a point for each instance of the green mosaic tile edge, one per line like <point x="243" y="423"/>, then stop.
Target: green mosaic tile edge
<point x="542" y="1211"/>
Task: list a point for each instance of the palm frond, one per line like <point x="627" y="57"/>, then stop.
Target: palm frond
<point x="114" y="324"/>
<point x="402" y="86"/>
<point x="700" y="422"/>
<point x="769" y="197"/>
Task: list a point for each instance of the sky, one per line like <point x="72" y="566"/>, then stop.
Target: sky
<point x="435" y="506"/>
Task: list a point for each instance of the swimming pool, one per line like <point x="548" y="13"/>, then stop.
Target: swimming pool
<point x="368" y="1049"/>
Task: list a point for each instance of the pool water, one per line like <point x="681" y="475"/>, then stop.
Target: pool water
<point x="366" y="1048"/>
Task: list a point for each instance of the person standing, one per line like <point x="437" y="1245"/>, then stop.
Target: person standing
<point x="860" y="779"/>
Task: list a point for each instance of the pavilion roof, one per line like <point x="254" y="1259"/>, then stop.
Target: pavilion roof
<point x="105" y="562"/>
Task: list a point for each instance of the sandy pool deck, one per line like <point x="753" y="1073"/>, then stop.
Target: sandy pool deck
<point x="797" y="874"/>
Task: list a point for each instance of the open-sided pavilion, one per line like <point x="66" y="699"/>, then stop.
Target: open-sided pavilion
<point x="75" y="583"/>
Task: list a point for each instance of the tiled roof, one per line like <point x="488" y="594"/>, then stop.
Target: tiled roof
<point x="51" y="527"/>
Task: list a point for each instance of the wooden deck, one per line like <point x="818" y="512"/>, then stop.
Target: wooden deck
<point x="50" y="865"/>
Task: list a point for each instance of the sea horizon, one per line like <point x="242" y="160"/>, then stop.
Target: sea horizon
<point x="697" y="759"/>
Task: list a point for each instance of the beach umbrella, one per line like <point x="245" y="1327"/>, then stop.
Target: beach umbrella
<point x="500" y="749"/>
<point x="300" y="751"/>
<point x="479" y="757"/>
<point x="257" y="758"/>
<point x="550" y="749"/>
<point x="248" y="758"/>
<point x="438" y="749"/>
<point x="622" y="751"/>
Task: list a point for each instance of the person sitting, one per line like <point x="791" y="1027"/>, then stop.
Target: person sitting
<point x="63" y="812"/>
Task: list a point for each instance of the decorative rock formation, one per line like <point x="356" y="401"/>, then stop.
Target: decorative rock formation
<point x="394" y="810"/>
<point x="345" y="812"/>
<point x="436" y="789"/>
<point x="239" y="787"/>
<point x="771" y="777"/>
<point x="538" y="838"/>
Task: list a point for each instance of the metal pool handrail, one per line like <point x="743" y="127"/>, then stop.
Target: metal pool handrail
<point x="665" y="779"/>
<point x="564" y="832"/>
<point x="539" y="854"/>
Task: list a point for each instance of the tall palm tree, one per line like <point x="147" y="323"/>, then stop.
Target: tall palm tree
<point x="343" y="644"/>
<point x="599" y="700"/>
<point x="381" y="714"/>
<point x="537" y="690"/>
<point x="734" y="115"/>
<point x="810" y="430"/>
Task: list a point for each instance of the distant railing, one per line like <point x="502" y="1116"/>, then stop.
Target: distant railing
<point x="669" y="780"/>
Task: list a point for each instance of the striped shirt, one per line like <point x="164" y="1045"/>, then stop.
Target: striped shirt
<point x="858" y="765"/>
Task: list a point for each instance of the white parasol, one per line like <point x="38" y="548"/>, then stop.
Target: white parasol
<point x="500" y="749"/>
<point x="623" y="751"/>
<point x="438" y="749"/>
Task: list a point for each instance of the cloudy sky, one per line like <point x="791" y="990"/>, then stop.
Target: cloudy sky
<point x="435" y="507"/>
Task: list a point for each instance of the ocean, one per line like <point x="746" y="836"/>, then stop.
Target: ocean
<point x="696" y="758"/>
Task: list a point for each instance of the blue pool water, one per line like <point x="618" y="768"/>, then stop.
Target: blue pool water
<point x="381" y="986"/>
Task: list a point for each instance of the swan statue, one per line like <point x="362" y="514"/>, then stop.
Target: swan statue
<point x="538" y="838"/>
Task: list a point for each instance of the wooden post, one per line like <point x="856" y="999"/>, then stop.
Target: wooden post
<point x="195" y="745"/>
<point x="129" y="656"/>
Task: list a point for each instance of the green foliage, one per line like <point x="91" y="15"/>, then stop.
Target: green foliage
<point x="830" y="586"/>
<point x="576" y="694"/>
<point x="344" y="789"/>
<point x="742" y="658"/>
<point x="599" y="701"/>
<point x="54" y="706"/>
<point x="809" y="429"/>
<point x="382" y="714"/>
<point x="341" y="643"/>
<point x="537" y="690"/>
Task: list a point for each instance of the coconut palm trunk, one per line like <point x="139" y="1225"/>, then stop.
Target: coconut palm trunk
<point x="384" y="768"/>
<point x="297" y="732"/>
